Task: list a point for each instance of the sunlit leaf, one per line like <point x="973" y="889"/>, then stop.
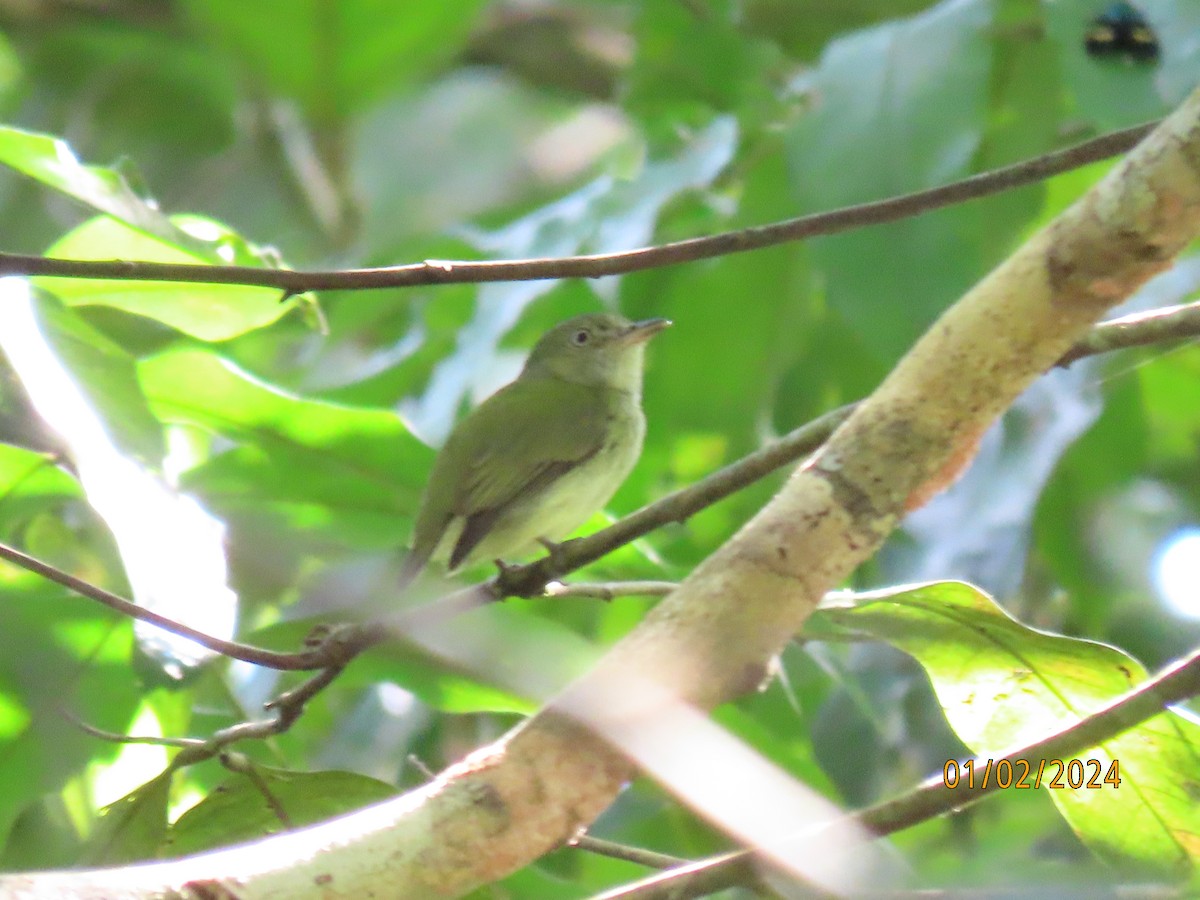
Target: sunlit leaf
<point x="333" y="58"/>
<point x="105" y="374"/>
<point x="353" y="474"/>
<point x="211" y="312"/>
<point x="52" y="161"/>
<point x="1003" y="684"/>
<point x="266" y="801"/>
<point x="131" y="829"/>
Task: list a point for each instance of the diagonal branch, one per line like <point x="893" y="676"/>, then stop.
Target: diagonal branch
<point x="308" y="659"/>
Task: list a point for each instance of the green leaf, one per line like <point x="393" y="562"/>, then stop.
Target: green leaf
<point x="51" y="161"/>
<point x="1002" y="685"/>
<point x="131" y="829"/>
<point x="211" y="312"/>
<point x="42" y="837"/>
<point x="351" y="475"/>
<point x="31" y="483"/>
<point x="80" y="653"/>
<point x="106" y="376"/>
<point x="689" y="65"/>
<point x="335" y="58"/>
<point x="249" y="806"/>
<point x="1168" y="392"/>
<point x="925" y="128"/>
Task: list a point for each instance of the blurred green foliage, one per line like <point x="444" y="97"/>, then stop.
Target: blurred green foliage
<point x="367" y="133"/>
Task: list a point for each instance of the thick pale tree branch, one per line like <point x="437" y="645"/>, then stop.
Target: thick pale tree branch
<point x="292" y="282"/>
<point x="710" y="640"/>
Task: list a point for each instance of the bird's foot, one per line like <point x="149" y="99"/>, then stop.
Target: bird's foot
<point x="514" y="581"/>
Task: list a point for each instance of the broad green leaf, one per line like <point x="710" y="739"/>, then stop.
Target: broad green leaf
<point x="133" y="828"/>
<point x="42" y="837"/>
<point x="334" y="58"/>
<point x="106" y="376"/>
<point x="211" y="312"/>
<point x="1168" y="396"/>
<point x="804" y="32"/>
<point x="51" y="161"/>
<point x="31" y="483"/>
<point x="919" y="87"/>
<point x="688" y="66"/>
<point x="352" y="475"/>
<point x="79" y="653"/>
<point x="1002" y="685"/>
<point x="267" y="801"/>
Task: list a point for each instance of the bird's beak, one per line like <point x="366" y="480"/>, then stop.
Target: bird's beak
<point x="640" y="332"/>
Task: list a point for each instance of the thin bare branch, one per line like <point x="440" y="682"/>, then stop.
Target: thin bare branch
<point x="610" y="590"/>
<point x="1157" y="326"/>
<point x="288" y="708"/>
<point x="651" y="859"/>
<point x="309" y="659"/>
<point x="292" y="282"/>
<point x="114" y="738"/>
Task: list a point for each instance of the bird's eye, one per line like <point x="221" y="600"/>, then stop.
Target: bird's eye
<point x="580" y="338"/>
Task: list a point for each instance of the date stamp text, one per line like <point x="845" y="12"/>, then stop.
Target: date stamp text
<point x="1076" y="774"/>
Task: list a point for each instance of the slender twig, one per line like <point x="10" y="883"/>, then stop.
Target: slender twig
<point x="651" y="859"/>
<point x="1157" y="326"/>
<point x="114" y="738"/>
<point x="309" y="659"/>
<point x="610" y="590"/>
<point x="933" y="798"/>
<point x="292" y="282"/>
<point x="287" y="706"/>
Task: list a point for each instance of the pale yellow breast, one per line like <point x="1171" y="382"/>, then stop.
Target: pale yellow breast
<point x="556" y="511"/>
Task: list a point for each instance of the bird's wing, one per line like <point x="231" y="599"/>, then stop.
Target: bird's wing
<point x="539" y="430"/>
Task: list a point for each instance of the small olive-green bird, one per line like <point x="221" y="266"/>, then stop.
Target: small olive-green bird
<point x="537" y="458"/>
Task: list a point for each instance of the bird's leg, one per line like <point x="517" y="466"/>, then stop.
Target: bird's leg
<point x="510" y="580"/>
